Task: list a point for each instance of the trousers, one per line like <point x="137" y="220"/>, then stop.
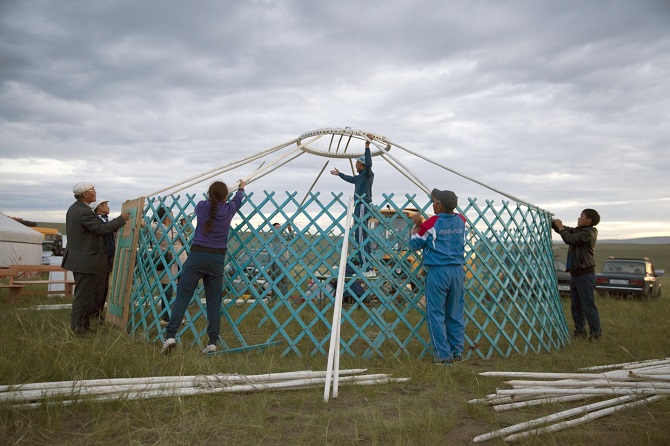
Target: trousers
<point x="445" y="304"/>
<point x="209" y="267"/>
<point x="88" y="289"/>
<point x="583" y="304"/>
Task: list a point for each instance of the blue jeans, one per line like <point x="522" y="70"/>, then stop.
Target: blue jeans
<point x="361" y="235"/>
<point x="445" y="303"/>
<point x="583" y="303"/>
<point x="168" y="290"/>
<point x="208" y="267"/>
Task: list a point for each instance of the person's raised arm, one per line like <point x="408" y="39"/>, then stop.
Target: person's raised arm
<point x="368" y="154"/>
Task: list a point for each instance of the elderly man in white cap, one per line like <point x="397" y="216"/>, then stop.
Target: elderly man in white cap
<point x="85" y="254"/>
<point x="363" y="188"/>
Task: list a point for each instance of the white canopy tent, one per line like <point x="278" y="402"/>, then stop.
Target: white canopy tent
<point x="19" y="245"/>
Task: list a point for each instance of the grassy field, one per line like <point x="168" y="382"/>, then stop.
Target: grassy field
<point x="430" y="409"/>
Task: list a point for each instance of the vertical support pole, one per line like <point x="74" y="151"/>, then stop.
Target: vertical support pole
<point x="313" y="184"/>
<point x="333" y="367"/>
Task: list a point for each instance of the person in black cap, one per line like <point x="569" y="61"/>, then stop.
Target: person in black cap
<point x="442" y="238"/>
<point x="85" y="254"/>
<point x="581" y="263"/>
<point x="363" y="188"/>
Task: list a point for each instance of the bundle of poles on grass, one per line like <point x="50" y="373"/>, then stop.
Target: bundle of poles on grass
<point x="50" y="307"/>
<point x="35" y="395"/>
<point x="632" y="384"/>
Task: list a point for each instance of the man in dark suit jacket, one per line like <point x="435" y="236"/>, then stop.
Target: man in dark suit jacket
<point x="85" y="254"/>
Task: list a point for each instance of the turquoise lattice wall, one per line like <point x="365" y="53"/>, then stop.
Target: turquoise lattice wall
<point x="280" y="283"/>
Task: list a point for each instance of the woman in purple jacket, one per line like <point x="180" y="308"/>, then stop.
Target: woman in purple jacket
<point x="206" y="261"/>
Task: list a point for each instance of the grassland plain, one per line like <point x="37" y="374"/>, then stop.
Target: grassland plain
<point x="432" y="408"/>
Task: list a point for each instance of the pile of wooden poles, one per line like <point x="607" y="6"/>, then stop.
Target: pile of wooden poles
<point x="35" y="395"/>
<point x="632" y="384"/>
<point x="49" y="307"/>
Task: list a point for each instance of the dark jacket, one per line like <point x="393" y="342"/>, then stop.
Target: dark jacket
<point x="581" y="248"/>
<point x="110" y="239"/>
<point x="363" y="181"/>
<point x="85" y="251"/>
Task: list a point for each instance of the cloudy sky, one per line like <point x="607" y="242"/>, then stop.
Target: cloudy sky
<point x="564" y="104"/>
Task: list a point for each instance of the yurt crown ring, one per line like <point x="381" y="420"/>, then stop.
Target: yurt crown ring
<point x="342" y="143"/>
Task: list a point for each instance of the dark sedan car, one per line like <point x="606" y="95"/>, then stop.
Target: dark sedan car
<point x="635" y="277"/>
<point x="562" y="277"/>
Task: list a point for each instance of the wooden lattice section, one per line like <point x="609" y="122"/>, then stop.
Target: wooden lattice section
<point x="280" y="284"/>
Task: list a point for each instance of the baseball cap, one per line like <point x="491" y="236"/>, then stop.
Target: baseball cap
<point x="95" y="204"/>
<point x="447" y="198"/>
<point x="82" y="187"/>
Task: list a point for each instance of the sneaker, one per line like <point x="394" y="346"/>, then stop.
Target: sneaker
<point x="168" y="345"/>
<point x="445" y="363"/>
<point x="458" y="357"/>
<point x="211" y="348"/>
<point x="371" y="273"/>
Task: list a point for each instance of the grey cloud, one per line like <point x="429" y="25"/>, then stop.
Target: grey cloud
<point x="547" y="101"/>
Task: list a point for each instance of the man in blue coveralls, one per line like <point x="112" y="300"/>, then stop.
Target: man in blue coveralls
<point x="363" y="188"/>
<point x="442" y="238"/>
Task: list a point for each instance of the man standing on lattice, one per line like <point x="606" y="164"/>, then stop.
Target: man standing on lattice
<point x="363" y="188"/>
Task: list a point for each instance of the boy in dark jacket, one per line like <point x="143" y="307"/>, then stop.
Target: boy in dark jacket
<point x="581" y="264"/>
